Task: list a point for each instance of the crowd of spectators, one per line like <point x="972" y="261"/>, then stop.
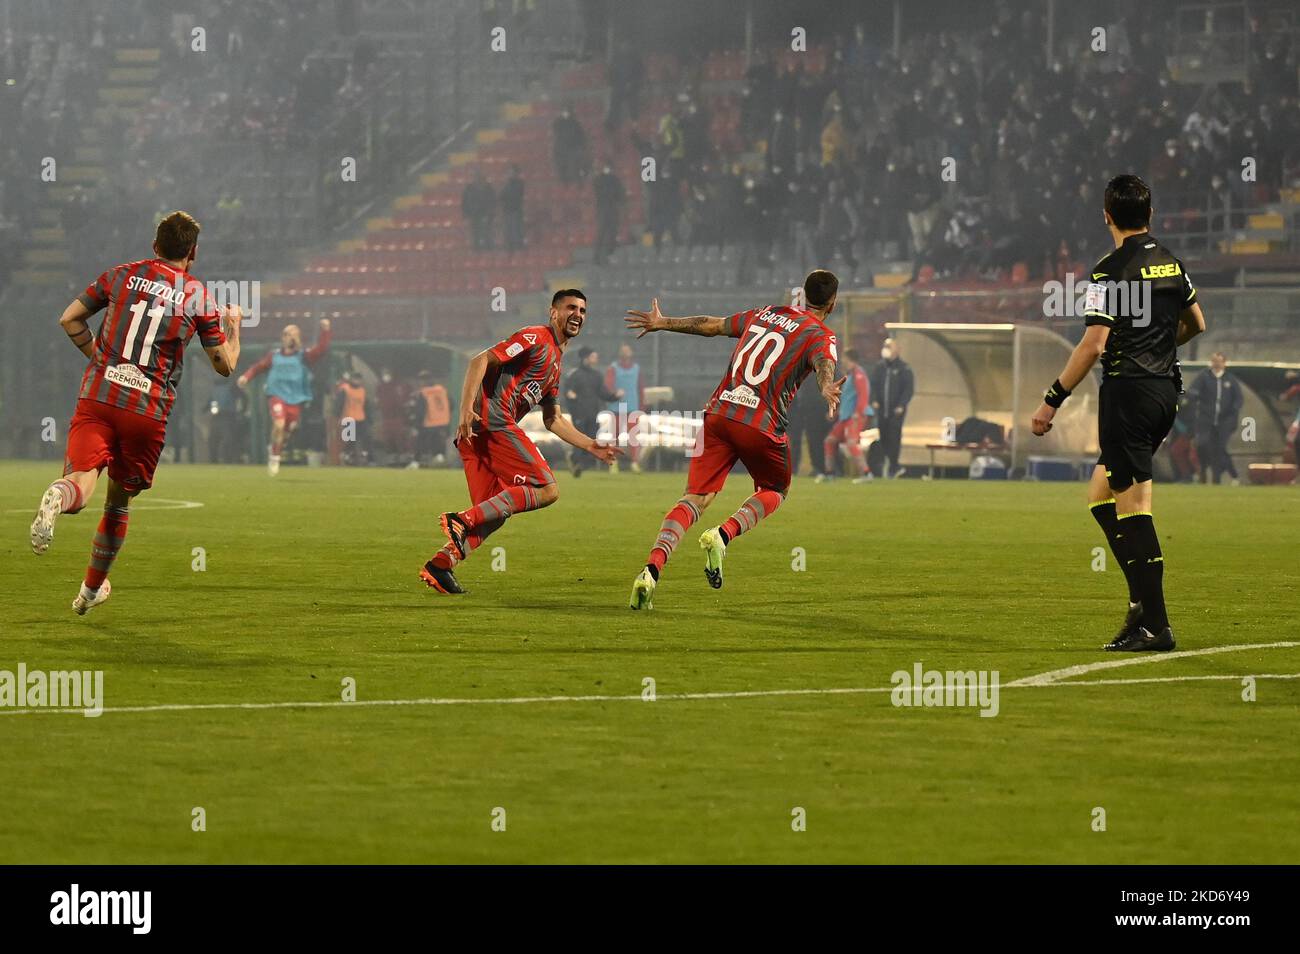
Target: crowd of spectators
<point x="45" y="88"/>
<point x="483" y="207"/>
<point x="275" y="76"/>
<point x="261" y="82"/>
<point x="847" y="163"/>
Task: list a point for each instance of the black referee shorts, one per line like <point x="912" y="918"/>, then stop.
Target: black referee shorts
<point x="1135" y="415"/>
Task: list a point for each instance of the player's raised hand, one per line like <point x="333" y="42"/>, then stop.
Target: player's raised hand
<point x="324" y="324"/>
<point x="645" y="321"/>
<point x="605" y="453"/>
<point x="1042" y="422"/>
<point x="832" y="395"/>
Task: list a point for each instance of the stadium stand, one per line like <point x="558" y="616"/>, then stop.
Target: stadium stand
<point x="740" y="166"/>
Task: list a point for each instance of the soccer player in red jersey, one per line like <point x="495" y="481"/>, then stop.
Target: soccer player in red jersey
<point x="153" y="308"/>
<point x="505" y="471"/>
<point x="745" y="418"/>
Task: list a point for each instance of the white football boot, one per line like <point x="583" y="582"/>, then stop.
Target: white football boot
<point x="88" y="599"/>
<point x="43" y="526"/>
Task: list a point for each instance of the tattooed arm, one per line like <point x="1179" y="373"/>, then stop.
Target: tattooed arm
<point x="706" y="326"/>
<point x="827" y="384"/>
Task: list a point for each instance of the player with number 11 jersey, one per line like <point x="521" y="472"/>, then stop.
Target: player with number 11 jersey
<point x="745" y="419"/>
<point x="152" y="308"/>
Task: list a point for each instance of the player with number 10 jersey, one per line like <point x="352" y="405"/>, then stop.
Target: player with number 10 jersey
<point x="745" y="419"/>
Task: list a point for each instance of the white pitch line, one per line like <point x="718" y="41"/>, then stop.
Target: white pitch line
<point x="148" y="503"/>
<point x="1136" y="682"/>
<point x="512" y="700"/>
<point x="666" y="697"/>
<point x="1056" y="675"/>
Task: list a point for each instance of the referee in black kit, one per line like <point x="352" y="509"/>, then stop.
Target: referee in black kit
<point x="1140" y="307"/>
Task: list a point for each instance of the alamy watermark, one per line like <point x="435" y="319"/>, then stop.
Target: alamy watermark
<point x="938" y="688"/>
<point x="76" y="906"/>
<point x="1108" y="299"/>
<point x="667" y="429"/>
<point x="53" y="689"/>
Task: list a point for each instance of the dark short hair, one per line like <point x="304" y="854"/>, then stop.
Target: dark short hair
<point x="584" y="353"/>
<point x="820" y="287"/>
<point x="177" y="234"/>
<point x="1128" y="202"/>
<point x="852" y="355"/>
<point x="567" y="293"/>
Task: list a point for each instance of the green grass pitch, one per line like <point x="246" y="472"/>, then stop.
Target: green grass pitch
<point x="311" y="578"/>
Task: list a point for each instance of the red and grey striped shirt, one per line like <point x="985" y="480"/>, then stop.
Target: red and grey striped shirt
<point x="152" y="312"/>
<point x="529" y="374"/>
<point x="779" y="346"/>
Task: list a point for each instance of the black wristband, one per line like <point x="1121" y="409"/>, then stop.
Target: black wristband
<point x="1055" y="395"/>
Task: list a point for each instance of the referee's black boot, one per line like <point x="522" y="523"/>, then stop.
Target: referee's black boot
<point x="1132" y="623"/>
<point x="1142" y="641"/>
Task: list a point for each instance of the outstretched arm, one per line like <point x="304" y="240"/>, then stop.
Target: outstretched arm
<point x="260" y="366"/>
<point x="707" y="326"/>
<point x="557" y="424"/>
<point x="322" y="345"/>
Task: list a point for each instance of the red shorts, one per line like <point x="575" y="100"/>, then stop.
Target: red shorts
<point x="495" y="460"/>
<point x="291" y="414"/>
<point x="767" y="458"/>
<point x="128" y="444"/>
<point x="847" y="431"/>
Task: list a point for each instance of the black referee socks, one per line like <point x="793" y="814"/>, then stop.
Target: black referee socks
<point x="1104" y="514"/>
<point x="1143" y="549"/>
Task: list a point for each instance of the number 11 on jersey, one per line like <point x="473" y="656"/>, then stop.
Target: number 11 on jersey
<point x="146" y="346"/>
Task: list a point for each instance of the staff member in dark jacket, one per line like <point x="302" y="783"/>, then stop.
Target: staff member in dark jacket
<point x="1217" y="396"/>
<point x="586" y="393"/>
<point x="892" y="386"/>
